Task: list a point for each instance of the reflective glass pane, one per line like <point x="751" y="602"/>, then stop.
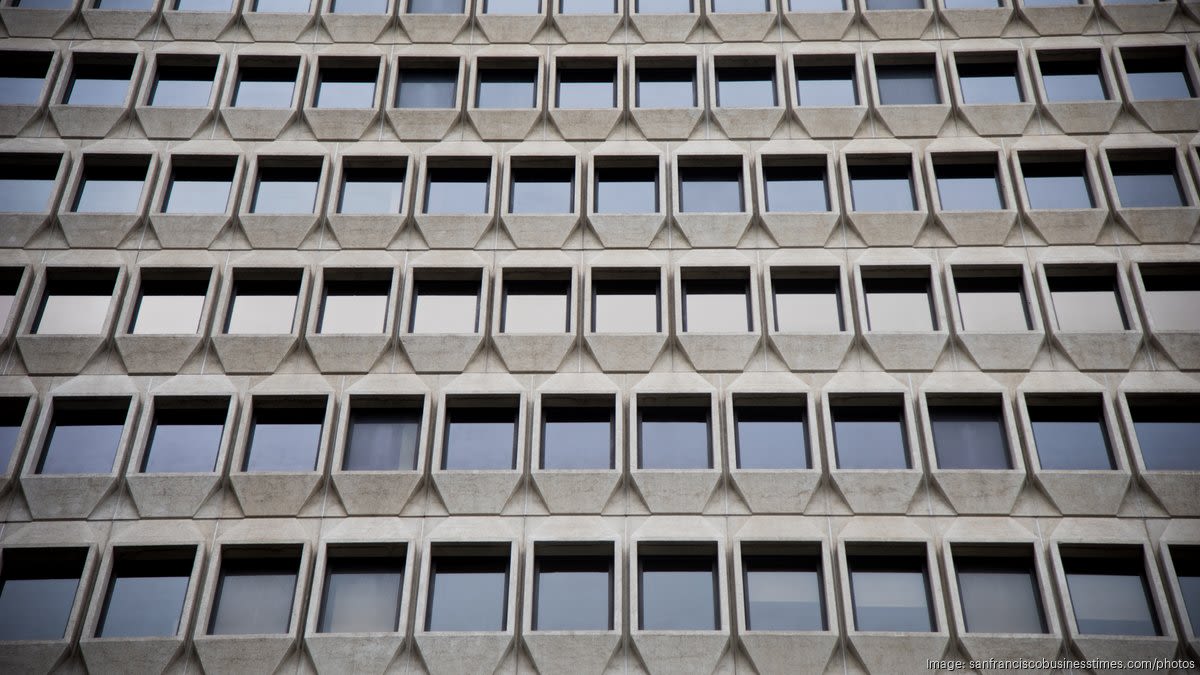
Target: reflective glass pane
<point x="783" y="593"/>
<point x="445" y="307"/>
<point x="22" y="76"/>
<point x="666" y="87"/>
<point x="262" y="307"/>
<point x="281" y="6"/>
<point x="771" y="437"/>
<point x="882" y="187"/>
<point x="817" y="5"/>
<point x="715" y="305"/>
<point x="185" y="440"/>
<point x="1147" y="183"/>
<point x="678" y="593"/>
<point x="969" y="437"/>
<point x="507" y="88"/>
<point x="362" y="595"/>
<point x="572" y="593"/>
<point x="626" y="190"/>
<point x="436" y="6"/>
<point x="354" y="308"/>
<point x="27" y="182"/>
<point x="199" y="190"/>
<point x="182" y="86"/>
<point x="807" y="306"/>
<point x="346" y="88"/>
<point x="536" y="190"/>
<point x="710" y="189"/>
<point x="999" y="594"/>
<point x="870" y="437"/>
<point x="749" y="87"/>
<point x="989" y="83"/>
<point x="739" y="6"/>
<point x="1168" y="434"/>
<point x="625" y="307"/>
<point x="973" y="4"/>
<point x="1158" y="78"/>
<point x="1187" y="572"/>
<point x="371" y="190"/>
<point x="587" y="7"/>
<point x="663" y="6"/>
<point x="1173" y="302"/>
<point x="265" y="87"/>
<point x="284" y="439"/>
<point x="42" y="4"/>
<point x="890" y="593"/>
<point x="12" y="416"/>
<point x="254" y="596"/>
<point x="587" y="88"/>
<point x="1070" y="437"/>
<point x="110" y="188"/>
<point x="457" y="190"/>
<point x="894" y="4"/>
<point x="82" y="441"/>
<point x="480" y="439"/>
<point x="577" y="437"/>
<point x="674" y="437"/>
<point x="899" y="305"/>
<point x="1110" y="596"/>
<point x="1087" y="304"/>
<point x="145" y="597"/>
<point x="992" y="304"/>
<point x="822" y="86"/>
<point x="427" y="88"/>
<point x="169" y="307"/>
<point x="203" y="5"/>
<point x="1066" y="81"/>
<point x="74" y="308"/>
<point x="968" y="187"/>
<point x="907" y="84"/>
<point x="382" y="439"/>
<point x="1057" y="185"/>
<point x="467" y="594"/>
<point x="101" y="84"/>
<point x="512" y="7"/>
<point x="536" y="307"/>
<point x="282" y="191"/>
<point x="37" y="592"/>
<point x="360" y="6"/>
<point x="796" y="189"/>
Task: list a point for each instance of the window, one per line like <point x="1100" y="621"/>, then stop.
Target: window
<point x="677" y="587"/>
<point x="285" y="435"/>
<point x="12" y="419"/>
<point x="203" y="5"/>
<point x="356" y="306"/>
<point x="199" y="185"/>
<point x="966" y="185"/>
<point x="573" y="587"/>
<point x="146" y="593"/>
<point x="989" y="82"/>
<point x="674" y="436"/>
<point x="1148" y="181"/>
<point x="427" y="86"/>
<point x="281" y="6"/>
<point x="371" y="187"/>
<point x="183" y="84"/>
<point x="359" y="6"/>
<point x="739" y="6"/>
<point x="111" y="184"/>
<point x="170" y="302"/>
<point x="37" y="592"/>
<point x="542" y="187"/>
<point x="27" y="181"/>
<point x="999" y="590"/>
<point x="577" y="434"/>
<point x="10" y="281"/>
<point x="992" y="302"/>
<point x="266" y="85"/>
<point x="41" y="4"/>
<point x="622" y="188"/>
<point x="587" y="86"/>
<point x="362" y="590"/>
<point x="346" y="83"/>
<point x="99" y="80"/>
<point x="1157" y="74"/>
<point x="75" y="302"/>
<point x="84" y="436"/>
<point x="806" y="303"/>
<point x="969" y="434"/>
<point x="1072" y="77"/>
<point x="255" y="591"/>
<point x="481" y="437"/>
<point x="468" y="588"/>
<point x="883" y="186"/>
<point x="1087" y="302"/>
<point x="784" y="589"/>
<point x="1070" y="434"/>
<point x="667" y="85"/>
<point x="22" y="77"/>
<point x="711" y="189"/>
<point x="973" y="4"/>
<point x="749" y="86"/>
<point x="1167" y="430"/>
<point x="907" y="83"/>
<point x="1187" y="571"/>
<point x="626" y="306"/>
<point x="507" y="85"/>
<point x="899" y="304"/>
<point x="771" y="434"/>
<point x="795" y="185"/>
<point x="826" y="85"/>
<point x="1173" y="297"/>
<point x="383" y="436"/>
<point x="286" y="186"/>
<point x="445" y="306"/>
<point x="817" y="5"/>
<point x="663" y="6"/>
<point x="1057" y="184"/>
<point x="713" y="305"/>
<point x="436" y="6"/>
<point x="457" y="189"/>
<point x="1109" y="591"/>
<point x="536" y="306"/>
<point x="870" y="434"/>
<point x="185" y="436"/>
<point x="894" y="4"/>
<point x="1051" y="3"/>
<point x="587" y="7"/>
<point x="263" y="304"/>
<point x="512" y="7"/>
<point x="890" y="590"/>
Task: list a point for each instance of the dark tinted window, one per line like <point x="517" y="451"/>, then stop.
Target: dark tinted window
<point x="716" y="305"/>
<point x="784" y="592"/>
<point x="199" y="188"/>
<point x="284" y="439"/>
<point x="356" y="307"/>
<point x="203" y="5"/>
<point x="572" y="592"/>
<point x="185" y="440"/>
<point x="254" y="592"/>
<point x="436" y="6"/>
<point x="807" y="305"/>
<point x="666" y="87"/>
<point x="999" y="593"/>
<point x="480" y="438"/>
<point x="359" y="6"/>
<point x="75" y="306"/>
<point x="1073" y="80"/>
<point x="12" y="417"/>
<point x="1070" y="437"/>
<point x="540" y="306"/>
<point x="1161" y="75"/>
<point x="101" y="82"/>
<point x="183" y="85"/>
<point x="992" y="303"/>
<point x="1173" y="298"/>
<point x="41" y="4"/>
<point x="22" y="77"/>
<point x="265" y="86"/>
<point x="346" y="87"/>
<point x="262" y="307"/>
<point x="286" y="189"/>
<point x="882" y="187"/>
<point x="371" y="189"/>
<point x="467" y="593"/>
<point x="281" y="6"/>
<point x="587" y="87"/>
<point x="832" y="85"/>
<point x="1147" y="182"/>
<point x="899" y="304"/>
<point x="506" y="88"/>
<point x="110" y="186"/>
<point x="445" y="307"/>
<point x="542" y="190"/>
<point x="1109" y="592"/>
<point x="796" y="189"/>
<point x="27" y="182"/>
<point x="577" y="437"/>
<point x="626" y="190"/>
<point x="10" y="281"/>
<point x="432" y="87"/>
<point x="1057" y="185"/>
<point x="678" y="592"/>
<point x="970" y="436"/>
<point x="37" y="592"/>
<point x="746" y="87"/>
<point x="890" y="593"/>
<point x="625" y="306"/>
<point x="870" y="437"/>
<point x="674" y="437"/>
<point x="382" y="438"/>
<point x="989" y="82"/>
<point x="457" y="190"/>
<point x="968" y="187"/>
<point x="710" y="189"/>
<point x="771" y="436"/>
<point x="1187" y="572"/>
<point x="1168" y="431"/>
<point x="83" y="439"/>
<point x="1087" y="303"/>
<point x="146" y="593"/>
<point x="907" y="84"/>
<point x="362" y="593"/>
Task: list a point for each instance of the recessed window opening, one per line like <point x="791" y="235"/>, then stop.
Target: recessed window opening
<point x="713" y="304"/>
<point x="146" y="592"/>
<point x="27" y="181"/>
<point x="1110" y="593"/>
<point x="1158" y="74"/>
<point x="678" y="587"/>
<point x="481" y="435"/>
<point x="1085" y="300"/>
<point x="507" y="85"/>
<point x="445" y="306"/>
<point x="185" y="435"/>
<point x="992" y="301"/>
<point x="183" y="83"/>
<point x="1057" y="182"/>
<point x="1149" y="180"/>
<point x="263" y="302"/>
<point x="285" y="435"/>
<point x="371" y="187"/>
<point x="795" y="185"/>
<point x="468" y="588"/>
<point x="573" y="587"/>
<point x="821" y="84"/>
<point x="199" y="185"/>
<point x="900" y="303"/>
<point x="457" y="189"/>
<point x="989" y="82"/>
<point x="625" y="186"/>
<point x="714" y="187"/>
<point x="75" y="302"/>
<point x="869" y="432"/>
<point x="99" y="80"/>
<point x="578" y="433"/>
<point x="746" y="85"/>
<point x="626" y="304"/>
<point x="670" y="84"/>
<point x="255" y="591"/>
<point x="23" y="76"/>
<point x="346" y="84"/>
<point x="999" y="590"/>
<point x="890" y="589"/>
<point x="969" y="432"/>
<point x="111" y="184"/>
<point x="1173" y="296"/>
<point x="806" y="301"/>
<point x="771" y="433"/>
<point x="1167" y="430"/>
<point x="84" y="436"/>
<point x="383" y="435"/>
<point x="362" y="589"/>
<point x="536" y="305"/>
<point x="1070" y="433"/>
<point x="286" y="187"/>
<point x="968" y="183"/>
<point x="1071" y="77"/>
<point x="37" y="591"/>
<point x="586" y="85"/>
<point x="784" y="587"/>
<point x="268" y="84"/>
<point x="542" y="187"/>
<point x="883" y="184"/>
<point x="170" y="302"/>
<point x="431" y="84"/>
<point x="907" y="82"/>
<point x="355" y="306"/>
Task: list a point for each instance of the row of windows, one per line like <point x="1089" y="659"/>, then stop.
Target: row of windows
<point x="292" y="185"/>
<point x="737" y="81"/>
<point x="969" y="431"/>
<point x="1113" y="590"/>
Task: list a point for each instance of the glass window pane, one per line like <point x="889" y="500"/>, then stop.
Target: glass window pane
<point x="1187" y="572"/>
<point x="427" y="88"/>
<point x="507" y="88"/>
<point x="572" y="593"/>
<point x="362" y="595"/>
<point x="739" y="6"/>
<point x="22" y="77"/>
<point x="1070" y="437"/>
<point x="968" y="187"/>
<point x="346" y="88"/>
<point x="796" y="189"/>
<point x="817" y="5"/>
<point x="587" y="88"/>
<point x="27" y="182"/>
<point x="1158" y="78"/>
<point x="992" y="304"/>
<point x="457" y="190"/>
<point x="771" y="437"/>
<point x="83" y="441"/>
<point x="625" y="307"/>
<point x="969" y="437"/>
<point x="577" y="437"/>
<point x="445" y="307"/>
<point x="536" y="307"/>
<point x="1087" y="304"/>
<point x="286" y="190"/>
<point x="1110" y="596"/>
<point x="1168" y="432"/>
<point x="254" y="596"/>
<point x="203" y="5"/>
<point x="1057" y="185"/>
<point x="899" y="305"/>
<point x="626" y="190"/>
<point x="999" y="594"/>
<point x="674" y="437"/>
<point x="183" y="86"/>
<point x="666" y="87"/>
<point x="748" y="87"/>
<point x="480" y="439"/>
<point x="199" y="189"/>
<point x="72" y="307"/>
<point x="262" y="307"/>
<point x="587" y="7"/>
<point x="663" y="6"/>
<point x="1147" y="183"/>
<point x="107" y="188"/>
<point x="265" y="87"/>
<point x="826" y="86"/>
<point x="512" y="7"/>
<point x="1173" y="301"/>
<point x="284" y="439"/>
<point x="355" y="307"/>
<point x="710" y="189"/>
<point x="371" y="190"/>
<point x="891" y="593"/>
<point x="784" y="592"/>
<point x="185" y="440"/>
<point x="714" y="306"/>
<point x="436" y="6"/>
<point x="1066" y="81"/>
<point x="145" y="596"/>
<point x="382" y="439"/>
<point x="468" y="594"/>
<point x="169" y="307"/>
<point x="882" y="187"/>
<point x="102" y="84"/>
<point x="914" y="84"/>
<point x="281" y="6"/>
<point x="807" y="305"/>
<point x="12" y="417"/>
<point x="973" y="4"/>
<point x="538" y="190"/>
<point x="895" y="4"/>
<point x="360" y="6"/>
<point x="989" y="83"/>
<point x="37" y="592"/>
<point x="870" y="437"/>
<point x="678" y="593"/>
